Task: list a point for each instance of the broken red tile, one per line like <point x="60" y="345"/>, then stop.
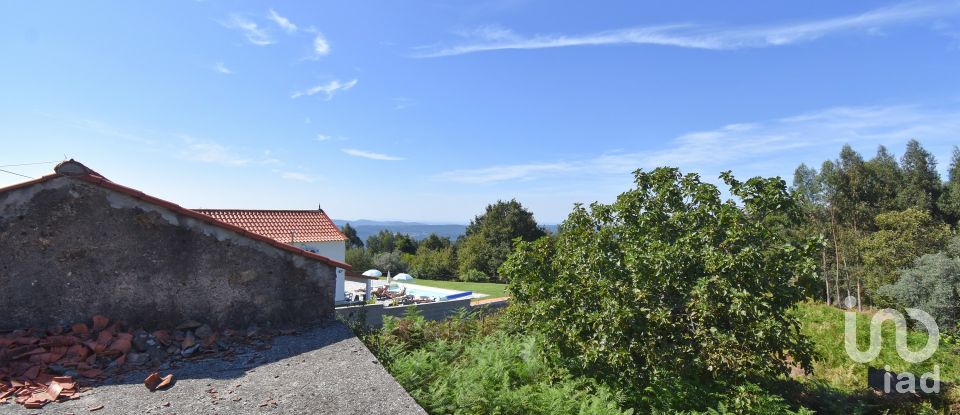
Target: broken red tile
<point x="152" y="381"/>
<point x="166" y="381"/>
<point x="32" y="372"/>
<point x="32" y="351"/>
<point x="105" y="337"/>
<point x="162" y="336"/>
<point x="80" y="329"/>
<point x="100" y="322"/>
<point x="121" y="345"/>
<point x="54" y="390"/>
<point x="96" y="408"/>
<point x="35" y="401"/>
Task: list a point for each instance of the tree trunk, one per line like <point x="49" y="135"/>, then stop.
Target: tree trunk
<point x="836" y="251"/>
<point x="823" y="269"/>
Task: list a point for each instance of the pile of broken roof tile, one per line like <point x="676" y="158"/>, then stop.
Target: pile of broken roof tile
<point x="38" y="366"/>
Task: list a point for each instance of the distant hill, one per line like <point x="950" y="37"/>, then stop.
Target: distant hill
<point x="416" y="230"/>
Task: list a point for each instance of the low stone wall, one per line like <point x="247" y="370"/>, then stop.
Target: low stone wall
<point x="371" y="315"/>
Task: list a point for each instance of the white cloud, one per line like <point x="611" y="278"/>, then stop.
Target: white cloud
<point x="296" y="176"/>
<point x="208" y="152"/>
<point x="254" y="33"/>
<point x="205" y="151"/>
<point x="220" y="67"/>
<point x="492" y="38"/>
<point x="322" y="137"/>
<point x="511" y="172"/>
<point x="328" y="89"/>
<point x="321" y="47"/>
<point x="281" y="21"/>
<point x="772" y="147"/>
<point x="370" y="155"/>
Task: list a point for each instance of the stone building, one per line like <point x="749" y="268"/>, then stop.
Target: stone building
<point x="74" y="244"/>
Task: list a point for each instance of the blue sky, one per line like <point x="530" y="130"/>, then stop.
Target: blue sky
<point x="428" y="111"/>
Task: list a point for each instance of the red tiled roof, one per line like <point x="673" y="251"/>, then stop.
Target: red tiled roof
<point x="281" y="225"/>
<point x="95" y="178"/>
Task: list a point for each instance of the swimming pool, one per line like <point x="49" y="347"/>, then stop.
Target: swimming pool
<point x="438" y="294"/>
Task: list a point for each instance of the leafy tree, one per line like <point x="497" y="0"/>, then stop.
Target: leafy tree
<point x="669" y="282"/>
<point x="434" y="263"/>
<point x="489" y="237"/>
<point x="390" y="262"/>
<point x="405" y="243"/>
<point x="885" y="180"/>
<point x="932" y="284"/>
<point x="386" y="241"/>
<point x="902" y="237"/>
<point x="360" y="259"/>
<point x="921" y="182"/>
<point x="383" y="241"/>
<point x="353" y="241"/>
<point x="949" y="202"/>
<point x="436" y="242"/>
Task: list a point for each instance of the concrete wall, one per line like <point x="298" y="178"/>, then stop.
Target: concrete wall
<point x="331" y="249"/>
<point x="371" y="316"/>
<point x="70" y="249"/>
<point x="334" y="250"/>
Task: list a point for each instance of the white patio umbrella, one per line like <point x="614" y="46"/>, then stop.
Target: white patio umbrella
<point x="403" y="277"/>
<point x="372" y="273"/>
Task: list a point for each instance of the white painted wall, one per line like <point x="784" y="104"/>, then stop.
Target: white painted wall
<point x="336" y="250"/>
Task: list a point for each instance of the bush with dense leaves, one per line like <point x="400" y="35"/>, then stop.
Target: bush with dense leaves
<point x="932" y="284"/>
<point x="670" y="282"/>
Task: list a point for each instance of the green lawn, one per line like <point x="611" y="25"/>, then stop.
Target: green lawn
<point x="491" y="289"/>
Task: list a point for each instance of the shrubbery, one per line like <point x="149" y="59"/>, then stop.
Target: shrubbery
<point x="670" y="282"/>
<point x="475" y="365"/>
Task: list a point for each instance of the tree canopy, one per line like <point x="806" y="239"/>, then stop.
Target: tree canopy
<point x="670" y="281"/>
<point x="489" y="237"/>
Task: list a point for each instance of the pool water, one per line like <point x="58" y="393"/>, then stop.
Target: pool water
<point x="438" y="294"/>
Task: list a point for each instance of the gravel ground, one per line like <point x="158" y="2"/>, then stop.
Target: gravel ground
<point x="325" y="370"/>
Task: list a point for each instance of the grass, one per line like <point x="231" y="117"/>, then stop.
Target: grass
<point x="834" y="369"/>
<point x="493" y="290"/>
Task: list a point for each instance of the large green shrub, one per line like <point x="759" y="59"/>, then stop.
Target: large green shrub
<point x="932" y="284"/>
<point x="670" y="282"/>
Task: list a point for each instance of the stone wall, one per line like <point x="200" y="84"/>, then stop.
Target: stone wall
<point x="371" y="316"/>
<point x="70" y="249"/>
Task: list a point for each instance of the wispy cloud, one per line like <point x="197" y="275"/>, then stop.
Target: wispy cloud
<point x="509" y="172"/>
<point x="321" y="47"/>
<point x="254" y="33"/>
<point x="281" y="21"/>
<point x="206" y="151"/>
<point x="370" y="155"/>
<point x="220" y="67"/>
<point x="297" y="176"/>
<point x="695" y="36"/>
<point x="328" y="89"/>
<point x="772" y="147"/>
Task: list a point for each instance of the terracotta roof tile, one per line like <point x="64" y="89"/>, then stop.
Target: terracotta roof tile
<point x="281" y="225"/>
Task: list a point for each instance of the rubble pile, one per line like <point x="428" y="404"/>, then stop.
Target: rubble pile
<point x="38" y="366"/>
